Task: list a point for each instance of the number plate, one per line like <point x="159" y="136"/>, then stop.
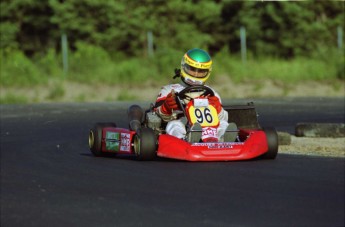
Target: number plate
<point x="205" y="116"/>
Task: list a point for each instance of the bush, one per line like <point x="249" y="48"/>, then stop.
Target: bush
<point x="50" y="64"/>
<point x="57" y="92"/>
<point x="18" y="70"/>
<point x="166" y="60"/>
<point x="91" y="64"/>
<point x="287" y="71"/>
<point x="87" y="63"/>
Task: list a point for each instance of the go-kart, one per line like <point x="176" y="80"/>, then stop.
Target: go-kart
<point x="148" y="139"/>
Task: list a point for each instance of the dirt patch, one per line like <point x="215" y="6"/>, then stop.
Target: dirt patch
<point x="330" y="147"/>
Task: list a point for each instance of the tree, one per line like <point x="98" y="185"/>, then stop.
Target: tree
<point x="284" y="29"/>
<point x="25" y="25"/>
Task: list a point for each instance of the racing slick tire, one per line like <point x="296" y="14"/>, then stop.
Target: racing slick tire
<point x="272" y="142"/>
<point x="95" y="138"/>
<point x="145" y="144"/>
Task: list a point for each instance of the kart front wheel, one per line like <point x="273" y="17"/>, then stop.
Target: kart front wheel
<point x="95" y="138"/>
<point x="272" y="142"/>
<point x="145" y="144"/>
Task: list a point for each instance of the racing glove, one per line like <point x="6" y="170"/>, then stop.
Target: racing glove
<point x="215" y="102"/>
<point x="169" y="104"/>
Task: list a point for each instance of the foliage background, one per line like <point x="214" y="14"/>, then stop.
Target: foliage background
<point x="107" y="40"/>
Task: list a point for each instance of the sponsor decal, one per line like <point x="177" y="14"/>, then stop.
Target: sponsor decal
<point x="197" y="64"/>
<point x="208" y="132"/>
<point x="112" y="141"/>
<point x="205" y="66"/>
<point x="125" y="142"/>
<point x="216" y="145"/>
<point x="116" y="141"/>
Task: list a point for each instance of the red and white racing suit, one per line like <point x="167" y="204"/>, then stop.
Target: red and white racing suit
<point x="176" y="127"/>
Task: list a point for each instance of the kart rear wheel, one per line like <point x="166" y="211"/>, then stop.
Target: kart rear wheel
<point x="145" y="144"/>
<point x="272" y="142"/>
<point x="95" y="138"/>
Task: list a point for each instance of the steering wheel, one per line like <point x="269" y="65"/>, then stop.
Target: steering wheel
<point x="205" y="91"/>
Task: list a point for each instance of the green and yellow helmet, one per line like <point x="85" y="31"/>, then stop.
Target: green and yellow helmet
<point x="196" y="67"/>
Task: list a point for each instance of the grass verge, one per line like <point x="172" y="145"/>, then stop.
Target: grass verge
<point x="91" y="66"/>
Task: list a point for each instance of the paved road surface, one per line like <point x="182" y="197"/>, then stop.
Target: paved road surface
<point x="49" y="178"/>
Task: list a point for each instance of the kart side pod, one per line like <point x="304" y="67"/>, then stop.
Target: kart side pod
<point x="107" y="138"/>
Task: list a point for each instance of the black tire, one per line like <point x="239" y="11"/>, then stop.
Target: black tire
<point x="95" y="138"/>
<point x="145" y="144"/>
<point x="272" y="142"/>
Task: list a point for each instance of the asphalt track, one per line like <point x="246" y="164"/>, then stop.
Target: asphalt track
<point x="49" y="177"/>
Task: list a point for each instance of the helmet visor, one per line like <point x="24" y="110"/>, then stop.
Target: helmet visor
<point x="195" y="72"/>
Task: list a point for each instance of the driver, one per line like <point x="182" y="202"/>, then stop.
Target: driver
<point x="196" y="66"/>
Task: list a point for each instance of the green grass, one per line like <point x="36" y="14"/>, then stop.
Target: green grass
<point x="125" y="96"/>
<point x="56" y="93"/>
<point x="92" y="65"/>
<point x="13" y="99"/>
<point x="285" y="71"/>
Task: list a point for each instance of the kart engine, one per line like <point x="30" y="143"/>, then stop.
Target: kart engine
<point x="153" y="121"/>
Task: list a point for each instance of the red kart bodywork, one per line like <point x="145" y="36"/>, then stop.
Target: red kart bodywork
<point x="120" y="141"/>
<point x="254" y="146"/>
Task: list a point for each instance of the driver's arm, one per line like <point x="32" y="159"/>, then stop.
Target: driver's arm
<point x="165" y="104"/>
